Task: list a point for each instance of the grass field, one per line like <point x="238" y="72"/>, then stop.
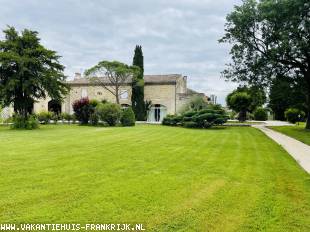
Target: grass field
<point x="298" y="132"/>
<point x="169" y="179"/>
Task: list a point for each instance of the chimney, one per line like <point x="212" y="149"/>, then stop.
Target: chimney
<point x="77" y="76"/>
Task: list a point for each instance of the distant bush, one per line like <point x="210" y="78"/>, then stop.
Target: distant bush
<point x="8" y="120"/>
<point x="249" y="116"/>
<point x="210" y="116"/>
<point x="93" y="103"/>
<point x="294" y="115"/>
<point x="82" y="110"/>
<point x="128" y="117"/>
<point x="65" y="116"/>
<point x="94" y="119"/>
<point x="73" y="118"/>
<point x="28" y="123"/>
<point x="260" y="114"/>
<point x="44" y="117"/>
<point x="55" y="117"/>
<point x="232" y="115"/>
<point x="195" y="103"/>
<point x="109" y="113"/>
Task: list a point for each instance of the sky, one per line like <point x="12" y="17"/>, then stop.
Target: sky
<point x="177" y="36"/>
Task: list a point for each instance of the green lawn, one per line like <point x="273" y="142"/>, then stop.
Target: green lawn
<point x="298" y="132"/>
<point x="169" y="179"/>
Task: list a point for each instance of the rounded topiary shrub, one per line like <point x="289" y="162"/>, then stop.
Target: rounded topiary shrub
<point x="94" y="119"/>
<point x="109" y="113"/>
<point x="260" y="114"/>
<point x="128" y="117"/>
<point x="294" y="115"/>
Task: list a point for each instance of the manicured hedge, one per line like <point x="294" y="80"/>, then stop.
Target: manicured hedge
<point x="198" y="119"/>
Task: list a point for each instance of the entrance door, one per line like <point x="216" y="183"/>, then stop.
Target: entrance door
<point x="157" y="113"/>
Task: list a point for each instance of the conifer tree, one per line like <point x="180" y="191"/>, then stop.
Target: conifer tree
<point x="137" y="97"/>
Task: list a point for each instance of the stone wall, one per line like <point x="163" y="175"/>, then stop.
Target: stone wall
<point x="93" y="92"/>
<point x="161" y="94"/>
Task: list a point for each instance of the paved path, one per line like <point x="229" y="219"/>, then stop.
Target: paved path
<point x="298" y="150"/>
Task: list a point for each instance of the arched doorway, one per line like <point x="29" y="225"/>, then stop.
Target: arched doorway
<point x="54" y="106"/>
<point x="157" y="113"/>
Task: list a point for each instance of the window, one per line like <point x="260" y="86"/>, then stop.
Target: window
<point x="124" y="94"/>
<point x="157" y="112"/>
<point x="84" y="92"/>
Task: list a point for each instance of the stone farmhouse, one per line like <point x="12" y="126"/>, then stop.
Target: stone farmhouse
<point x="168" y="93"/>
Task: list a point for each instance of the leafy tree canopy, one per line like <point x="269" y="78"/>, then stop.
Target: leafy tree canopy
<point x="195" y="103"/>
<point x="112" y="75"/>
<point x="255" y="95"/>
<point x="269" y="38"/>
<point x="286" y="93"/>
<point x="28" y="71"/>
<point x="239" y="101"/>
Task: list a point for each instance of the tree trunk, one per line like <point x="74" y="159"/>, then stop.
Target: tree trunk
<point x="242" y="115"/>
<point x="116" y="94"/>
<point x="308" y="109"/>
<point x="307" y="77"/>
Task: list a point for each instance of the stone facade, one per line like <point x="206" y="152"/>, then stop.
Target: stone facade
<point x="168" y="93"/>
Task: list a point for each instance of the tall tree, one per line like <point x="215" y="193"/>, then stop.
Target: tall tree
<point x="112" y="75"/>
<point x="28" y="71"/>
<point x="270" y="38"/>
<point x="240" y="101"/>
<point x="285" y="93"/>
<point x="137" y="97"/>
<point x="257" y="95"/>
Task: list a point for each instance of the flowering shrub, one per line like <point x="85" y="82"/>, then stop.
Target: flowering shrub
<point x="82" y="110"/>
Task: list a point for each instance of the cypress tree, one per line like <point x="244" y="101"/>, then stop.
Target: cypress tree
<point x="137" y="97"/>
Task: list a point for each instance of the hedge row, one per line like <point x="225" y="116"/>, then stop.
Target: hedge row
<point x="197" y="119"/>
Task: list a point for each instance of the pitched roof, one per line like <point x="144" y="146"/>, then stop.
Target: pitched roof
<point x="169" y="78"/>
<point x="148" y="79"/>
